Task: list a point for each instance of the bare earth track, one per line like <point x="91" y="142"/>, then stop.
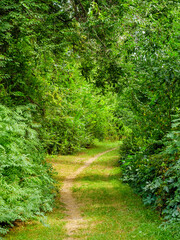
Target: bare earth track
<point x="74" y="219"/>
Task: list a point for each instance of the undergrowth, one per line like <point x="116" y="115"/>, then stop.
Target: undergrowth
<point x="26" y="186"/>
<point x="153" y="171"/>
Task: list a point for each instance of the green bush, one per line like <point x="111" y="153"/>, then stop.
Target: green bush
<point x="26" y="186"/>
<point x="81" y="115"/>
<point x="157" y="176"/>
<point x="157" y="180"/>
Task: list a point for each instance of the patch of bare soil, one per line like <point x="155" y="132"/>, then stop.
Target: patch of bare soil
<point x="74" y="220"/>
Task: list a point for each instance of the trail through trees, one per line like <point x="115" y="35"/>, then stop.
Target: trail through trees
<point x="93" y="203"/>
<point x="74" y="218"/>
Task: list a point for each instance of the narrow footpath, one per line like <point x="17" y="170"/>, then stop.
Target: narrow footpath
<point x="93" y="203"/>
<point x="74" y="217"/>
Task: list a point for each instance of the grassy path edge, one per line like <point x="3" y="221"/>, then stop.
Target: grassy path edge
<point x="109" y="208"/>
<point x="74" y="218"/>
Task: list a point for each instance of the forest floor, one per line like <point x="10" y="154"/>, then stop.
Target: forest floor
<point x="93" y="203"/>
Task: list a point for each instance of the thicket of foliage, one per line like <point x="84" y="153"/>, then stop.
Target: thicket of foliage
<point x="151" y="102"/>
<point x="95" y="69"/>
<point x="26" y="185"/>
<point x="41" y="69"/>
<point x="133" y="50"/>
<point x="40" y="66"/>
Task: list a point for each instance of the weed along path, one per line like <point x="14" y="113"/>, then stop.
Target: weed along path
<point x="93" y="203"/>
<point x="74" y="218"/>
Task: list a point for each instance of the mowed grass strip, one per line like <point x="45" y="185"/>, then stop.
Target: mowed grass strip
<point x="111" y="208"/>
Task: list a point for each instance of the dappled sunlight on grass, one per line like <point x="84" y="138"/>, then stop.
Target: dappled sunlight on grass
<point x="110" y="209"/>
<point x="116" y="210"/>
<point x="53" y="225"/>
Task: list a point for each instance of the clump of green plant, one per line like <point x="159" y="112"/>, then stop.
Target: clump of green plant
<point x="26" y="185"/>
<point x="157" y="176"/>
<point x="78" y="115"/>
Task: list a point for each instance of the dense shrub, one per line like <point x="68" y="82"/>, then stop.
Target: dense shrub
<point x="26" y="186"/>
<point x="149" y="104"/>
<point x="77" y="115"/>
<point x="157" y="176"/>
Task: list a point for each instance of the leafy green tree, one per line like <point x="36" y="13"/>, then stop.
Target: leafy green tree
<point x="151" y="99"/>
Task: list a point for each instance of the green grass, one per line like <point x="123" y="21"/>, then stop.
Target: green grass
<point x="51" y="228"/>
<point x="111" y="210"/>
<point x="54" y="224"/>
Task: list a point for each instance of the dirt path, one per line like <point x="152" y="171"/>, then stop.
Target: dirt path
<point x="99" y="206"/>
<point x="74" y="220"/>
